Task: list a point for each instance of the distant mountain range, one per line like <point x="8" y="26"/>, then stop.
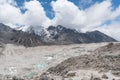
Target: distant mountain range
<point x="53" y="35"/>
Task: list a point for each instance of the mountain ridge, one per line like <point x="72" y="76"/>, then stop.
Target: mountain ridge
<point x="53" y="35"/>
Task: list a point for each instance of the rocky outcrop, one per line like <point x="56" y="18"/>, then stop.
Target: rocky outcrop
<point x="105" y="59"/>
<point x="9" y="35"/>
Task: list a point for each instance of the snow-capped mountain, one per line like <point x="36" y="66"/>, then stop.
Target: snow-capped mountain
<point x="37" y="35"/>
<point x="22" y="28"/>
<point x="38" y="30"/>
<point x="9" y="35"/>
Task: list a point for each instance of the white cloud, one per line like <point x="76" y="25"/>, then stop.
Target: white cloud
<point x="69" y="15"/>
<point x="66" y="14"/>
<point x="115" y="13"/>
<point x="35" y="14"/>
<point x="9" y="14"/>
<point x="97" y="14"/>
<point x="8" y="1"/>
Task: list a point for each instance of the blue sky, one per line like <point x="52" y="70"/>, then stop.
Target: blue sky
<point x="78" y="3"/>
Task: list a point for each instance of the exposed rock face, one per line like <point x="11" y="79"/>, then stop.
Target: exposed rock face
<point x="97" y="36"/>
<point x="62" y="35"/>
<point x="53" y="35"/>
<point x="26" y="39"/>
<point x="8" y="35"/>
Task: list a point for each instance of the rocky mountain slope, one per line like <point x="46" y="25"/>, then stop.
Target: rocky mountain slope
<point x="64" y="35"/>
<point x="9" y="35"/>
<point x="61" y="35"/>
<point x="35" y="36"/>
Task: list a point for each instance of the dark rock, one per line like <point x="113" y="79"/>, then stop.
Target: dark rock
<point x="104" y="76"/>
<point x="9" y="35"/>
<point x="70" y="74"/>
<point x="96" y="79"/>
<point x="44" y="77"/>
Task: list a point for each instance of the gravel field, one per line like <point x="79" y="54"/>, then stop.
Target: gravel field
<point x="28" y="63"/>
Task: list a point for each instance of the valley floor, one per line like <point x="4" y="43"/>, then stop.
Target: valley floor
<point x="29" y="63"/>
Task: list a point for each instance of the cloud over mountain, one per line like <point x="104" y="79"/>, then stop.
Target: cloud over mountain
<point x="66" y="14"/>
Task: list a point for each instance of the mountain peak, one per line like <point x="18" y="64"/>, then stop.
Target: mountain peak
<point x="38" y="35"/>
<point x="4" y="27"/>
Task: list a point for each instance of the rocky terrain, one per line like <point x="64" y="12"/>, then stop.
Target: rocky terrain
<point x="102" y="64"/>
<point x="33" y="61"/>
<point x="95" y="61"/>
